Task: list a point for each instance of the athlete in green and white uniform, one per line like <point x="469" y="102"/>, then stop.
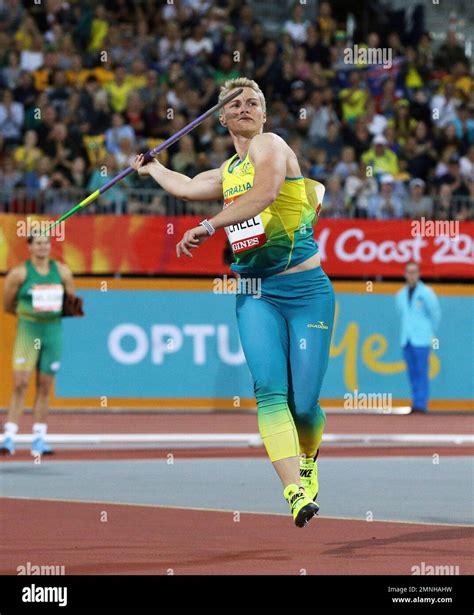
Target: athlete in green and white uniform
<point x="34" y="292"/>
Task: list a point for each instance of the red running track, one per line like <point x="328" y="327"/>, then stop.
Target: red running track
<point x="151" y="541"/>
<point x="227" y="422"/>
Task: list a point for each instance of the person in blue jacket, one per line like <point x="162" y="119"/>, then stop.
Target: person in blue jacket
<point x="420" y="316"/>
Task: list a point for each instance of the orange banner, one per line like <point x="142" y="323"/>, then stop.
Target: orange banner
<point x="108" y="244"/>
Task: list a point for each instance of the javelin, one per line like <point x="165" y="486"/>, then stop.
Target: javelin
<point x="148" y="157"/>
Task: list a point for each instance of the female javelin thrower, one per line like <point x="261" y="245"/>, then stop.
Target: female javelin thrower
<point x="268" y="212"/>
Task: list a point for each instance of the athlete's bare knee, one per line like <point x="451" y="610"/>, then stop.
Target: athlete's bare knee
<point x="20" y="382"/>
<point x="43" y="385"/>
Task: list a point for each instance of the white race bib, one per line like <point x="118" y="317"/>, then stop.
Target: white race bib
<point x="47" y="297"/>
<point x="247" y="234"/>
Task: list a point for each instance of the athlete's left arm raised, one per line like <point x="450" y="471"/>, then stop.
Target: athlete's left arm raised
<point x="268" y="153"/>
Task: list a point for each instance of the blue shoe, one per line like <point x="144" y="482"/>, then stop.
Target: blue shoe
<point x="8" y="446"/>
<point x="39" y="447"/>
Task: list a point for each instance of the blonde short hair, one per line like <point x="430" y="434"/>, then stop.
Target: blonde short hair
<point x="242" y="82"/>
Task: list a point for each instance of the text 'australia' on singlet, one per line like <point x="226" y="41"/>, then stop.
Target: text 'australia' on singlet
<point x="40" y="297"/>
<point x="281" y="236"/>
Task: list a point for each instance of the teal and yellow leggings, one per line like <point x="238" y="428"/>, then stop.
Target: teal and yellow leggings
<point x="285" y="336"/>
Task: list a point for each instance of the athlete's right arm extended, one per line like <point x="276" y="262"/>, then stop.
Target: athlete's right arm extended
<point x="13" y="281"/>
<point x="206" y="186"/>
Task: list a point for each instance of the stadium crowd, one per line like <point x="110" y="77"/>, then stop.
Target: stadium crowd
<point x="84" y="86"/>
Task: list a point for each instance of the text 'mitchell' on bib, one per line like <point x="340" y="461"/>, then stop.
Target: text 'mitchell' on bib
<point x="47" y="297"/>
<point x="247" y="234"/>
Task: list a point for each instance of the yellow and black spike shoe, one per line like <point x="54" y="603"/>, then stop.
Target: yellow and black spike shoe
<point x="309" y="476"/>
<point x="302" y="507"/>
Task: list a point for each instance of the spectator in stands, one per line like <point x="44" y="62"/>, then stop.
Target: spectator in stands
<point x="113" y="200"/>
<point x="425" y="51"/>
<point x="119" y="89"/>
<point x="10" y="177"/>
<point x="419" y="163"/>
<point x="316" y="52"/>
<point x="226" y="69"/>
<point x="444" y="106"/>
<point x="184" y="161"/>
<point x="116" y="132"/>
<point x="464" y="124"/>
<point x="358" y="188"/>
<point x="381" y="158"/>
<point x="334" y="202"/>
<point x="32" y="58"/>
<point x="268" y="67"/>
<point x="401" y="120"/>
<point x="9" y="75"/>
<point x="393" y="143"/>
<point x="256" y="43"/>
<point x="443" y="205"/>
<point x="450" y="52"/>
<point x="150" y="92"/>
<point x="466" y="165"/>
<point x="198" y="46"/>
<point x="332" y="144"/>
<point x="219" y="151"/>
<point x="347" y="166"/>
<point x="353" y="99"/>
<point x="326" y="23"/>
<point x="376" y="123"/>
<point x="385" y="205"/>
<point x="60" y="92"/>
<point x="11" y="118"/>
<point x="78" y="173"/>
<point x="26" y="33"/>
<point x="126" y="153"/>
<point x="297" y="100"/>
<point x="170" y="46"/>
<point x="319" y="168"/>
<point x="297" y="26"/>
<point x="43" y="172"/>
<point x="359" y="137"/>
<point x="25" y="92"/>
<point x="458" y="184"/>
<point x="301" y="66"/>
<point x="385" y="102"/>
<point x="56" y="198"/>
<point x="60" y="147"/>
<point x="318" y="117"/>
<point x="27" y="154"/>
<point x="134" y="114"/>
<point x="99" y="29"/>
<point x="413" y="74"/>
<point x="418" y="205"/>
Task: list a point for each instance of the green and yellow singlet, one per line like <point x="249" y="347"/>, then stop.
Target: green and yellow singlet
<point x="40" y="297"/>
<point x="39" y="337"/>
<point x="281" y="236"/>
